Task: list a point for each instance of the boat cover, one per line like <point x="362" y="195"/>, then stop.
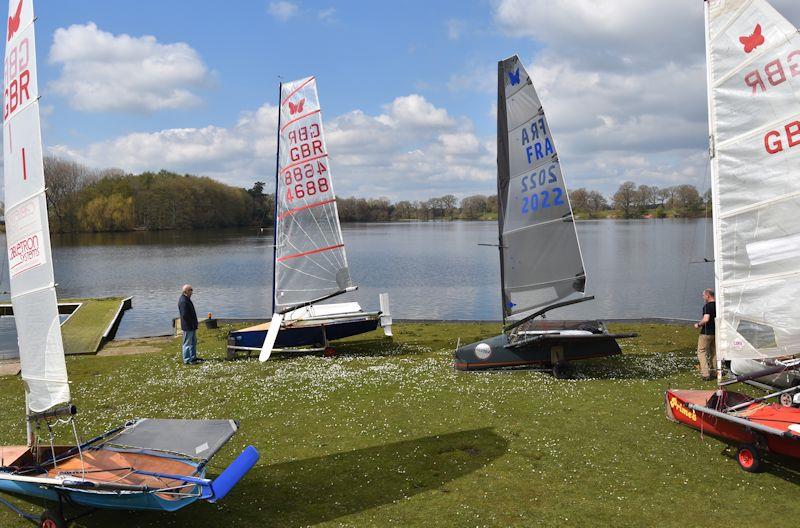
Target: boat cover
<point x="195" y="439"/>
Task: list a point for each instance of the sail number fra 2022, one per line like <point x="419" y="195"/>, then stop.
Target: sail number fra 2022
<point x="543" y="199"/>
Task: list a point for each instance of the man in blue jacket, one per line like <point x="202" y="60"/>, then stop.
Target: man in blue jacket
<point x="189" y="326"/>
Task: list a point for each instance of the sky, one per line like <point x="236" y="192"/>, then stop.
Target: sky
<point x="408" y="90"/>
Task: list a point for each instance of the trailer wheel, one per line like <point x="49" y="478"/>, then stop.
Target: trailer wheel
<point x="52" y="519"/>
<point x="787" y="400"/>
<point x="329" y="352"/>
<point x="749" y="458"/>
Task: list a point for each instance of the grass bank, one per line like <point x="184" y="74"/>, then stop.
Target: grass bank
<point x="387" y="434"/>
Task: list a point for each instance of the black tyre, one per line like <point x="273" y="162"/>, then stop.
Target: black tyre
<point x="749" y="458"/>
<point x="51" y="518"/>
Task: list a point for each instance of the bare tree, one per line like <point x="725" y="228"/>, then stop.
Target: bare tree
<point x="579" y="198"/>
<point x="596" y="202"/>
<point x="64" y="180"/>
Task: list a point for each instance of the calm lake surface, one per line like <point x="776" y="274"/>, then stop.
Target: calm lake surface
<point x="636" y="268"/>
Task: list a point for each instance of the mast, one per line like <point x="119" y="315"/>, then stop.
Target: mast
<point x="502" y="176"/>
<point x="275" y="208"/>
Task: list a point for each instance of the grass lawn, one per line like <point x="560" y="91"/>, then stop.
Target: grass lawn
<point x="387" y="434"/>
<point x="84" y="329"/>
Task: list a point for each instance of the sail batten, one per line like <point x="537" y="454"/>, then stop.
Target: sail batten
<point x="541" y="262"/>
<point x="30" y="259"/>
<point x="310" y="257"/>
<point x="753" y="56"/>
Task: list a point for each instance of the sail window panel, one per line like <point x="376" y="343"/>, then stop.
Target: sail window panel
<point x="535" y="197"/>
<point x="762" y="94"/>
<point x="754" y="307"/>
<point x="752" y="175"/>
<point x="757" y="334"/>
<point x="542" y="264"/>
<point x="41" y="355"/>
<point x="761" y="242"/>
<point x="729" y="25"/>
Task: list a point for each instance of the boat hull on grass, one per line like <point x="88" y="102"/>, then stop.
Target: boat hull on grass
<point x="682" y="407"/>
<point x="543" y="344"/>
<point x="306" y="333"/>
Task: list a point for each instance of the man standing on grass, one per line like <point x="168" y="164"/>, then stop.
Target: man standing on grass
<point x="705" y="343"/>
<point x="189" y="326"/>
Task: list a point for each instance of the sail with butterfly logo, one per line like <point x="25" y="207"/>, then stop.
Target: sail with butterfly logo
<point x="30" y="259"/>
<point x="310" y="257"/>
<point x="754" y="115"/>
<point x="540" y="257"/>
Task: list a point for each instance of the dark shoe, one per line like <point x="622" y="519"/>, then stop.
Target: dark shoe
<point x="708" y="378"/>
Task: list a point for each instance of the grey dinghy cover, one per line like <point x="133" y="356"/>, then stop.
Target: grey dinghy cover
<point x="540" y="259"/>
<point x="194" y="439"/>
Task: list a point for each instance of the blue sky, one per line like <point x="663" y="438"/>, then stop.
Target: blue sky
<point x="408" y="89"/>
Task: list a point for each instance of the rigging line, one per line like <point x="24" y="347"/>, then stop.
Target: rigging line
<point x="305" y="273"/>
<point x="337" y="231"/>
<point x="323" y="268"/>
<point x="314" y="242"/>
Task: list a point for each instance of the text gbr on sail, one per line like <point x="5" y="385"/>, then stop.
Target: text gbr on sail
<point x="787" y="137"/>
<point x="775" y="73"/>
<point x="16" y="78"/>
<point x="302" y="148"/>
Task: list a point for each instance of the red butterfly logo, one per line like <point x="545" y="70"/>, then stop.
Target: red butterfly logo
<point x="13" y="21"/>
<point x="753" y="41"/>
<point x="296" y="108"/>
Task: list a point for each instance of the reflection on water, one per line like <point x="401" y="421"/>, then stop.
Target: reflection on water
<point x="635" y="268"/>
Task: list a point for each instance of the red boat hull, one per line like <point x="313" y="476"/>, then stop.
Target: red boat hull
<point x="773" y="415"/>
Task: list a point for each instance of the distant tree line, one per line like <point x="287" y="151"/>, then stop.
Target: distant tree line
<point x="634" y="201"/>
<point x="84" y="199"/>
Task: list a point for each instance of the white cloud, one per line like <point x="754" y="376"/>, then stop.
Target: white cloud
<point x="283" y="10"/>
<point x="455" y="28"/>
<point x="412" y="150"/>
<point x="327" y="15"/>
<point x="102" y="71"/>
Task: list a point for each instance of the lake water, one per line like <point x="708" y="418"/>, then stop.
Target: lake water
<point x="636" y="268"/>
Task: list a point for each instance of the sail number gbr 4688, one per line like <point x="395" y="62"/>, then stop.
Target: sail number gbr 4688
<point x="306" y="175"/>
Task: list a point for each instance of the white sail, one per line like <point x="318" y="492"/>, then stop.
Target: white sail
<point x="540" y="257"/>
<point x="754" y="118"/>
<point x="30" y="260"/>
<point x="310" y="258"/>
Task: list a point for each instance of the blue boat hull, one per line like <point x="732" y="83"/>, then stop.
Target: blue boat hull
<point x="94" y="499"/>
<point x="305" y="335"/>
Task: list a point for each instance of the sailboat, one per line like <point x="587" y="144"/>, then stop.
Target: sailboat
<point x="309" y="257"/>
<point x="541" y="266"/>
<point x="144" y="464"/>
<point x="754" y="118"/>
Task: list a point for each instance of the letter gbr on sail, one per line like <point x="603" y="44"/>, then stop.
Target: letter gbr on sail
<point x="310" y="258"/>
<point x="540" y="258"/>
<point x="30" y="261"/>
<point x="754" y="117"/>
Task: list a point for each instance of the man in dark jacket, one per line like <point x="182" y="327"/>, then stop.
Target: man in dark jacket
<point x="189" y="326"/>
